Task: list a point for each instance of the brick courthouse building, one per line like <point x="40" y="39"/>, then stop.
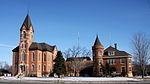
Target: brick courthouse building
<point x="32" y="58"/>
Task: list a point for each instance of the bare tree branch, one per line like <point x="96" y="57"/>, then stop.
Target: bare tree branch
<point x="141" y="51"/>
<point x="76" y="62"/>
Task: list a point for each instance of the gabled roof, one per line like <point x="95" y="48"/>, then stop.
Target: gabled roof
<point x="97" y="42"/>
<point x="117" y="52"/>
<point x="27" y="22"/>
<point x="110" y="48"/>
<point x="38" y="46"/>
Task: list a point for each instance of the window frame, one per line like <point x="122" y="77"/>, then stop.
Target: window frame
<point x="33" y="57"/>
<point x="24" y="34"/>
<point x="44" y="57"/>
<point x="111" y="53"/>
<point x="100" y="61"/>
<point x="99" y="53"/>
<point x="122" y="68"/>
<point x="44" y="67"/>
<point x="23" y="56"/>
<point x="32" y="67"/>
<point x="122" y="62"/>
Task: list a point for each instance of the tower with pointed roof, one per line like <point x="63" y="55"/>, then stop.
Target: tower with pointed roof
<point x="98" y="51"/>
<point x="26" y="39"/>
<point x="32" y="58"/>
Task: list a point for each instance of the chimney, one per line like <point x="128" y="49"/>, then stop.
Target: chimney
<point x="115" y="45"/>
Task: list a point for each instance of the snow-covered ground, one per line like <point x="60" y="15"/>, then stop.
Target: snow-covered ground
<point x="74" y="78"/>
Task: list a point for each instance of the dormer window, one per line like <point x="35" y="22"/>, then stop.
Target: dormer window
<point x="111" y="53"/>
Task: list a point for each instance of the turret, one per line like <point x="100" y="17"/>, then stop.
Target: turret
<point x="98" y="51"/>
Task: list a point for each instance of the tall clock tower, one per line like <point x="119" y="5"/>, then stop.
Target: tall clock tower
<point x="26" y="38"/>
<point x="98" y="51"/>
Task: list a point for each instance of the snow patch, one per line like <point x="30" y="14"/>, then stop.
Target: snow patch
<point x="74" y="78"/>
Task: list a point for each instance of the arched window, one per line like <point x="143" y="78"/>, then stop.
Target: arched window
<point x="23" y="56"/>
<point x="44" y="67"/>
<point x="39" y="67"/>
<point x="31" y="35"/>
<point x="32" y="68"/>
<point x="23" y="45"/>
<point x="33" y="56"/>
<point x="39" y="56"/>
<point x="24" y="34"/>
<point x="44" y="57"/>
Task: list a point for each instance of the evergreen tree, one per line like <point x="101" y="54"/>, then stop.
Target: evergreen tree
<point x="59" y="66"/>
<point x="106" y="69"/>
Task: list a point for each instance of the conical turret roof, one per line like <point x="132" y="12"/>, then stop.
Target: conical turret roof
<point x="97" y="42"/>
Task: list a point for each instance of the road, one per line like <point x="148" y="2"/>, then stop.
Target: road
<point x="146" y="81"/>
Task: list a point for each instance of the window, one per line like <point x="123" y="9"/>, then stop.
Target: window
<point x="130" y="69"/>
<point x="23" y="56"/>
<point x="44" y="67"/>
<point x="24" y="34"/>
<point x="22" y="45"/>
<point x="32" y="69"/>
<point x="39" y="67"/>
<point x="108" y="61"/>
<point x="123" y="69"/>
<point x="31" y="35"/>
<point x="33" y="56"/>
<point x="39" y="56"/>
<point x="99" y="53"/>
<point x="49" y="57"/>
<point x="49" y="67"/>
<point x="44" y="57"/>
<point x="129" y="60"/>
<point x="101" y="70"/>
<point x="111" y="61"/>
<point x="122" y="60"/>
<point x="111" y="53"/>
<point x="100" y="61"/>
<point x="114" y="61"/>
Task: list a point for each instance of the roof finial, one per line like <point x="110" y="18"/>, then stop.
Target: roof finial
<point x="97" y="34"/>
<point x="28" y="12"/>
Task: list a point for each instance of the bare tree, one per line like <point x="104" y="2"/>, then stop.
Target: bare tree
<point x="1" y="65"/>
<point x="141" y="51"/>
<point x="76" y="57"/>
<point x="6" y="66"/>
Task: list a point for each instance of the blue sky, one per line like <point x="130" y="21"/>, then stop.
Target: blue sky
<point x="57" y="22"/>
